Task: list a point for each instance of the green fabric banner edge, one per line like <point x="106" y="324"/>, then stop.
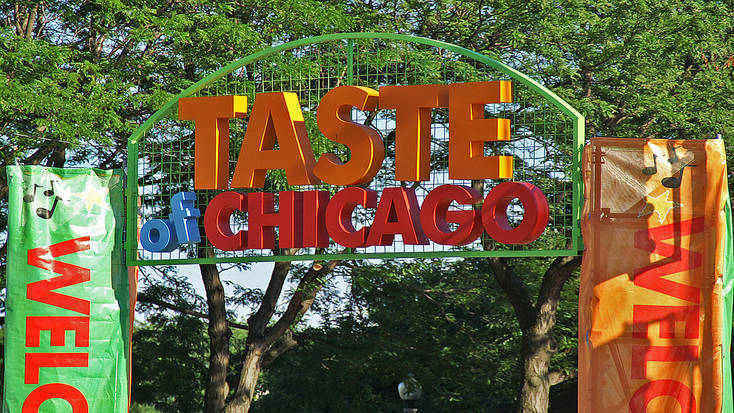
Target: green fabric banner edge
<point x="118" y="262"/>
<point x="727" y="292"/>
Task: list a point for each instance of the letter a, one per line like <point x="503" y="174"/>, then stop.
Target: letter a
<point x="276" y="114"/>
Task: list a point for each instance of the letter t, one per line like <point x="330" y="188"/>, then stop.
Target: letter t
<point x="211" y="115"/>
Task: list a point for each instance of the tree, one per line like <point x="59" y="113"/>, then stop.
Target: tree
<point x="449" y="323"/>
<point x="536" y="318"/>
<point x="265" y="341"/>
<point x="641" y="69"/>
<point x="99" y="69"/>
<point x="169" y="365"/>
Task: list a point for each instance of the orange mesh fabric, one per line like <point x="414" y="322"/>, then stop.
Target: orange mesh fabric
<point x="650" y="305"/>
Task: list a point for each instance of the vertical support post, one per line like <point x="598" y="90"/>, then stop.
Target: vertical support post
<point x="579" y="132"/>
<point x="350" y="61"/>
<point x="131" y="192"/>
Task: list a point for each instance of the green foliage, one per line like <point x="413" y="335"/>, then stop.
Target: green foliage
<point x="169" y="367"/>
<point x="143" y="408"/>
<point x="447" y="323"/>
<point x="642" y="68"/>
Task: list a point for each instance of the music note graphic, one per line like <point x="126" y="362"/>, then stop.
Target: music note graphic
<point x="45" y="213"/>
<point x="49" y="192"/>
<point x="674" y="181"/>
<point x="651" y="170"/>
<point x="30" y="197"/>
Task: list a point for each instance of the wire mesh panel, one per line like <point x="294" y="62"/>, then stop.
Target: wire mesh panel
<point x="545" y="143"/>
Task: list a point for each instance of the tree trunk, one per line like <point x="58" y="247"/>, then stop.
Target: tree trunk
<point x="219" y="333"/>
<point x="266" y="342"/>
<point x="536" y="353"/>
<point x="249" y="375"/>
<point x="536" y="322"/>
<point x="58" y="157"/>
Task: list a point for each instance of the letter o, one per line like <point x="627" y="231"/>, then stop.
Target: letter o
<point x="55" y="391"/>
<point x="494" y="213"/>
<point x="158" y="235"/>
<point x="659" y="388"/>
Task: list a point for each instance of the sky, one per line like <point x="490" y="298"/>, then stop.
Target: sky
<point x="256" y="277"/>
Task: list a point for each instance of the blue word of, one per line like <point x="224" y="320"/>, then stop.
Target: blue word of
<point x="181" y="227"/>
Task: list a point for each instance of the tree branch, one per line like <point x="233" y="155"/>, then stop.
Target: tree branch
<point x="147" y="299"/>
<point x="515" y="290"/>
<point x="260" y="319"/>
<point x="558" y="377"/>
<point x="286" y="343"/>
<point x="39" y="155"/>
<point x="555" y="277"/>
<point x="301" y="301"/>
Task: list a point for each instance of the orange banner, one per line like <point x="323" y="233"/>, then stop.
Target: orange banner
<point x="651" y="310"/>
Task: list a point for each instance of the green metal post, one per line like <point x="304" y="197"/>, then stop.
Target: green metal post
<point x="350" y="61"/>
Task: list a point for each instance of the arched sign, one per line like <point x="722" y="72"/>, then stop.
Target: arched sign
<point x="353" y="146"/>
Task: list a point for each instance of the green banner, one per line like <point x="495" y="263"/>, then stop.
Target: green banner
<point x="727" y="292"/>
<point x="67" y="321"/>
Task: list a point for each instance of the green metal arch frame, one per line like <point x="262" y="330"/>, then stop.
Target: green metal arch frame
<point x="168" y="107"/>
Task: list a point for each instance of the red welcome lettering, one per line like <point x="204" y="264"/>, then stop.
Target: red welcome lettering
<point x="665" y="241"/>
<point x="42" y="291"/>
<point x="55" y="391"/>
<point x="666" y="316"/>
<point x="677" y="259"/>
<point x="659" y="388"/>
<point x="643" y="354"/>
<point x="58" y="326"/>
<point x="34" y="362"/>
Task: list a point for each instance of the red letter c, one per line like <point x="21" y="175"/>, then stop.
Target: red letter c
<point x="216" y="221"/>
